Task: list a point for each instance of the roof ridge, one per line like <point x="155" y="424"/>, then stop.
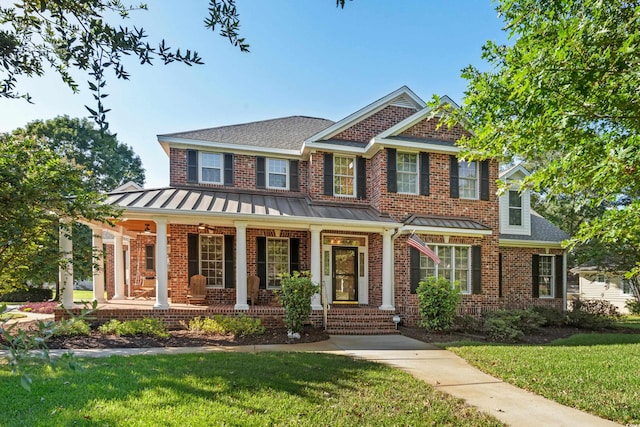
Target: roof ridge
<point x="244" y="124"/>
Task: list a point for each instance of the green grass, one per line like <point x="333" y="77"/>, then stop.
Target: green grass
<point x="629" y="321"/>
<point x="262" y="389"/>
<point x="81" y="295"/>
<point x="597" y="373"/>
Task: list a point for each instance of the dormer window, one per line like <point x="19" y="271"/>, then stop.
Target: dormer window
<point x="278" y="170"/>
<point x="211" y="167"/>
<point x="515" y="203"/>
<point x="515" y="208"/>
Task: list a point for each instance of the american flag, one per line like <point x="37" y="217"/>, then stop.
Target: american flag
<point x="419" y="244"/>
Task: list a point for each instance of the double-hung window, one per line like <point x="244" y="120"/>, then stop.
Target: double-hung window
<point x="277" y="260"/>
<point x="515" y="208"/>
<point x="627" y="286"/>
<point x="211" y="168"/>
<point x="407" y="173"/>
<point x="212" y="259"/>
<point x="344" y="176"/>
<point x="455" y="266"/>
<point x="546" y="276"/>
<point x="278" y="174"/>
<point x="468" y="182"/>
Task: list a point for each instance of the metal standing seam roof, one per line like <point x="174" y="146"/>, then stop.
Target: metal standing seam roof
<point x="282" y="133"/>
<point x="445" y="222"/>
<point x="212" y="201"/>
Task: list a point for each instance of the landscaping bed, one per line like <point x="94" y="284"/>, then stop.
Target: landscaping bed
<point x="543" y="336"/>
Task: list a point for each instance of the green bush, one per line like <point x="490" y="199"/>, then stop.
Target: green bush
<point x="585" y="320"/>
<point x="437" y="302"/>
<point x="238" y="326"/>
<point x="147" y="326"/>
<point x="502" y="329"/>
<point x="71" y="328"/>
<point x="28" y="294"/>
<point x="295" y="296"/>
<point x="633" y="305"/>
<point x="511" y="325"/>
<point x="467" y="323"/>
<point x="553" y="317"/>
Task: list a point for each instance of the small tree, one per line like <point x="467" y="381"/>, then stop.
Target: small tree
<point x="295" y="296"/>
<point x="437" y="301"/>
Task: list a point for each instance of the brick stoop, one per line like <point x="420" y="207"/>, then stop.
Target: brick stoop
<point x="360" y="321"/>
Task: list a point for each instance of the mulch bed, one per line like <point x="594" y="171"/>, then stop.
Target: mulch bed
<point x="544" y="336"/>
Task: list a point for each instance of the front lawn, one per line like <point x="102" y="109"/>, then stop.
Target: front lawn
<point x="262" y="389"/>
<point x="629" y="321"/>
<point x="597" y="373"/>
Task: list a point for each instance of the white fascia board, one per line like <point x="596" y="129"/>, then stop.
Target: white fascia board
<point x="512" y="243"/>
<point x="512" y="170"/>
<point x="367" y="111"/>
<point x="223" y="146"/>
<point x="444" y="231"/>
<point x="320" y="146"/>
<point x="378" y="143"/>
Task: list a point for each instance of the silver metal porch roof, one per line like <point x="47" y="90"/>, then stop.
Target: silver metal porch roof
<point x="444" y="222"/>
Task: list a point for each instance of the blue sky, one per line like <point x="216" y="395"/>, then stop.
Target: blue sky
<point x="307" y="58"/>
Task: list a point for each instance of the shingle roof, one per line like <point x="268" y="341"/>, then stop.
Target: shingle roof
<point x="285" y="133"/>
<point x="542" y="230"/>
<point x="445" y="222"/>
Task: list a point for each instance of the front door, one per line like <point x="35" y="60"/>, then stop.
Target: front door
<point x="345" y="274"/>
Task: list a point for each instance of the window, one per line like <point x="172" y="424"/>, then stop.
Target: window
<point x="278" y="174"/>
<point x="601" y="278"/>
<point x="211" y="165"/>
<point x="212" y="259"/>
<point x="545" y="276"/>
<point x="627" y="286"/>
<point x="407" y="173"/>
<point x="468" y="180"/>
<point x="343" y="176"/>
<point x="515" y="208"/>
<point x="455" y="266"/>
<point x="150" y="257"/>
<point x="277" y="260"/>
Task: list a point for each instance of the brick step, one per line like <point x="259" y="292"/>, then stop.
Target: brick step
<point x="360" y="324"/>
<point x="358" y="331"/>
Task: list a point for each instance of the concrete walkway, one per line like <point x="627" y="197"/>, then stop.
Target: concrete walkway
<point x="440" y="368"/>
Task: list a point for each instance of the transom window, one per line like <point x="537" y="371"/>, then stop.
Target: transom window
<point x="546" y="276"/>
<point x="278" y="173"/>
<point x="344" y="173"/>
<point x="211" y="165"/>
<point x="407" y="173"/>
<point x="468" y="180"/>
<point x="455" y="266"/>
<point x="277" y="260"/>
<point x="515" y="208"/>
<point x="212" y="259"/>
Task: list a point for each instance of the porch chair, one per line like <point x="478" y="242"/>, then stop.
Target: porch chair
<point x="146" y="288"/>
<point x="197" y="290"/>
<point x="253" y="289"/>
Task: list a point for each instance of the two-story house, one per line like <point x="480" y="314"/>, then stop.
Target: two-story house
<point x="338" y="199"/>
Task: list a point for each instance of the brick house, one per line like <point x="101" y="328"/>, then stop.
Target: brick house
<point x="338" y="199"/>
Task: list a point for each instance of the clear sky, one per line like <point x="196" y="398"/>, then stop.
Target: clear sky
<point x="307" y="58"/>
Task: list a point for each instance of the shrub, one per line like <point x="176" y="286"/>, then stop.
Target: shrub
<point x="585" y="320"/>
<point x="554" y="317"/>
<point x="467" y="323"/>
<point x="511" y="325"/>
<point x="597" y="307"/>
<point x="39" y="307"/>
<point x="146" y="326"/>
<point x="633" y="306"/>
<point x="72" y="327"/>
<point x="28" y="294"/>
<point x="295" y="296"/>
<point x="502" y="329"/>
<point x="437" y="301"/>
<point x="239" y="326"/>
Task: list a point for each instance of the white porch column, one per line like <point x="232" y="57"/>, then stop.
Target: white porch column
<point x="98" y="265"/>
<point x="162" y="273"/>
<point x="118" y="261"/>
<point x="241" y="266"/>
<point x="387" y="271"/>
<point x="316" y="265"/>
<point x="564" y="280"/>
<point x="66" y="270"/>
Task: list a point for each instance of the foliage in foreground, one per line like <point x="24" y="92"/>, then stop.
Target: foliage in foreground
<point x="437" y="301"/>
<point x="222" y="388"/>
<point x="511" y="325"/>
<point x="592" y="372"/>
<point x="238" y="326"/>
<point x="146" y="326"/>
<point x="295" y="295"/>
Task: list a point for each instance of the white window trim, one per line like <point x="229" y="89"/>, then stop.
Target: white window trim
<point x="200" y="236"/>
<point x="201" y="166"/>
<point x="510" y="207"/>
<point x="354" y="176"/>
<point x="268" y="172"/>
<point x="267" y="258"/>
<point x="525" y="228"/>
<point x="626" y="294"/>
<point x="435" y="246"/>
<point x="417" y="173"/>
<point x="477" y="182"/>
<point x="552" y="284"/>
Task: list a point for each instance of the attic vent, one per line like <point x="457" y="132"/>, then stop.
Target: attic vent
<point x="403" y="101"/>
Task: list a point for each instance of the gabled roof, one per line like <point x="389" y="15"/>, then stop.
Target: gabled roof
<point x="403" y="96"/>
<point x="513" y="170"/>
<point x="128" y="186"/>
<point x="542" y="230"/>
<point x="287" y="133"/>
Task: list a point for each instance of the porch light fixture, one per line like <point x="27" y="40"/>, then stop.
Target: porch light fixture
<point x="396" y="319"/>
<point x="147" y="229"/>
<point x="201" y="227"/>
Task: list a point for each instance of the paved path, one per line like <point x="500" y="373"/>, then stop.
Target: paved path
<point x="440" y="368"/>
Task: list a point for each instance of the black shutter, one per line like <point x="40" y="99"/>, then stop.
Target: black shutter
<point x="535" y="276"/>
<point x="500" y="275"/>
<point x="229" y="262"/>
<point x="484" y="180"/>
<point x="294" y="182"/>
<point x="260" y="174"/>
<point x="559" y="277"/>
<point x="150" y="257"/>
<point x="414" y="275"/>
<point x="424" y="174"/>
<point x="261" y="249"/>
<point x="476" y="269"/>
<point x="228" y="169"/>
<point x="328" y="174"/>
<point x="454" y="190"/>
<point x="361" y="184"/>
<point x="294" y="255"/>
<point x="392" y="183"/>
<point x="192" y="166"/>
<point x="193" y="254"/>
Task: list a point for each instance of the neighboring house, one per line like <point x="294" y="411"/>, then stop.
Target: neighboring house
<point x="595" y="284"/>
<point x="338" y="199"/>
